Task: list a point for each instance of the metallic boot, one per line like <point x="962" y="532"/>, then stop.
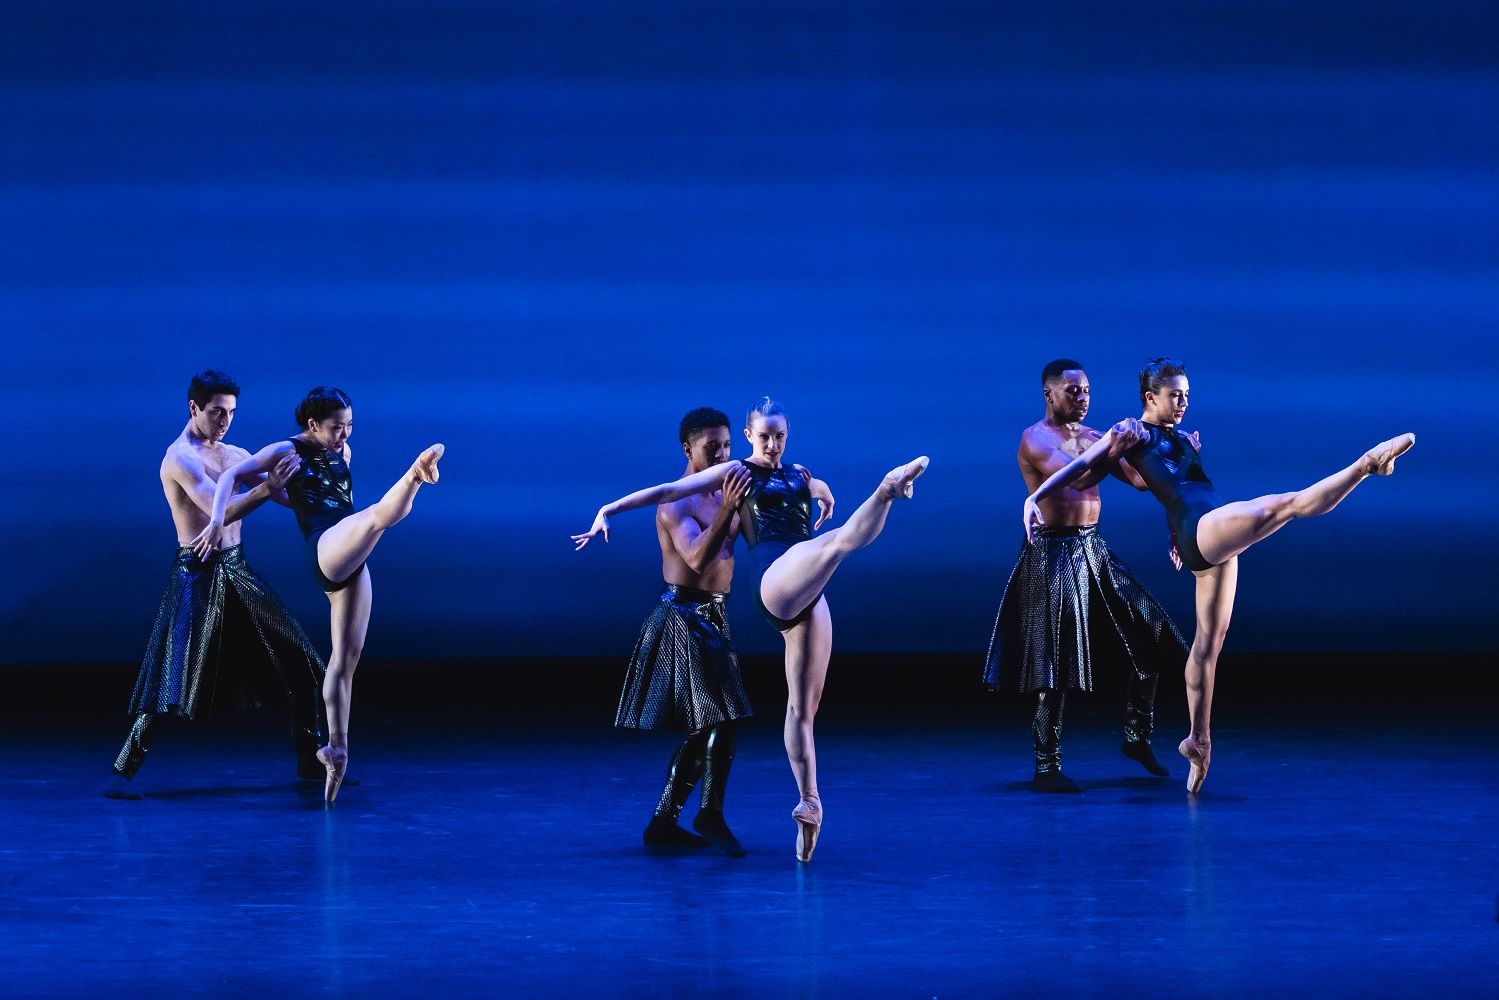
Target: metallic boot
<point x="132" y="756"/>
<point x="719" y="757"/>
<point x="1139" y="721"/>
<point x="686" y="768"/>
<point x="1046" y="731"/>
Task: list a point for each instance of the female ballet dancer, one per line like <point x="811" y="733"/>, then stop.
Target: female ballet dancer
<point x="775" y="518"/>
<point x="1207" y="534"/>
<point x="338" y="540"/>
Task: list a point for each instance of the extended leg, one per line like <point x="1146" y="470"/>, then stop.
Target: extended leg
<point x="349" y="542"/>
<point x="808" y="649"/>
<point x="1232" y="528"/>
<point x="719" y="757"/>
<point x="350" y="620"/>
<point x="802" y="572"/>
<point x="682" y="774"/>
<point x="1215" y="605"/>
<point x="1046" y="733"/>
<point x="132" y="756"/>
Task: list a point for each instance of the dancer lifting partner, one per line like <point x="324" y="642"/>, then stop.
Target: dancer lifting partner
<point x="220" y="624"/>
<point x="338" y="539"/>
<point x="683" y="674"/>
<point x="1207" y="534"/>
<point x="775" y="517"/>
<point x="1070" y="600"/>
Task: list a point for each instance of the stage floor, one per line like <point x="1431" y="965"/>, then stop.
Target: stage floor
<point x="499" y="855"/>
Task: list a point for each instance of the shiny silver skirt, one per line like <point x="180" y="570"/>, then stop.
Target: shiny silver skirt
<point x="683" y="675"/>
<point x="1070" y="602"/>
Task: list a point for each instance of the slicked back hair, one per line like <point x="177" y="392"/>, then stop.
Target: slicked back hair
<point x="1157" y="374"/>
<point x="764" y="407"/>
<point x="321" y="403"/>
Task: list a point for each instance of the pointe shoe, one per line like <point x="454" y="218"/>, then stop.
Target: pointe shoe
<point x="336" y="760"/>
<point x="808" y="816"/>
<point x="1380" y="459"/>
<point x="1197" y="756"/>
<point x="425" y="465"/>
<point x="899" y="481"/>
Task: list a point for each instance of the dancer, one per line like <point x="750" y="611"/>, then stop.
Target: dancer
<point x="219" y="620"/>
<point x="1070" y="598"/>
<point x="338" y="540"/>
<point x="775" y="517"/>
<point x="683" y="674"/>
<point x="1207" y="534"/>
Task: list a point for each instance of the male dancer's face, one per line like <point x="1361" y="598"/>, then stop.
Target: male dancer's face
<point x="1067" y="397"/>
<point x="212" y="422"/>
<point x="707" y="448"/>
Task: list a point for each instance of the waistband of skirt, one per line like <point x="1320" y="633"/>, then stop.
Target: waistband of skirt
<point x="232" y="554"/>
<point x="688" y="594"/>
<point x="1069" y="531"/>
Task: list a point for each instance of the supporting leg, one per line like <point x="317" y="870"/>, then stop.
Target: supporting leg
<point x="1046" y="733"/>
<point x="1139" y="721"/>
<point x="809" y="646"/>
<point x="350" y="620"/>
<point x="719" y="757"/>
<point x="132" y="756"/>
<point x="686" y="767"/>
<point x="1215" y="605"/>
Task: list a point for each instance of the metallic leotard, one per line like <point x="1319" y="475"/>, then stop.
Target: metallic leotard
<point x="774" y="515"/>
<point x="322" y="494"/>
<point x="1173" y="470"/>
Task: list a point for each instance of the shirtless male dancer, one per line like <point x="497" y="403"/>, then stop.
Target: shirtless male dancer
<point x="220" y="624"/>
<point x="1070" y="598"/>
<point x="683" y="675"/>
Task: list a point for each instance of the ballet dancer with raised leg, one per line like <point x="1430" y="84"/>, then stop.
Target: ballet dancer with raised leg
<point x="339" y="540"/>
<point x="775" y="518"/>
<point x="1207" y="535"/>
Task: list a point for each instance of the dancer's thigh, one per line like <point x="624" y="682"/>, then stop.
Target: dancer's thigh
<point x="349" y="619"/>
<point x="795" y="579"/>
<point x="1226" y="531"/>
<point x="347" y="544"/>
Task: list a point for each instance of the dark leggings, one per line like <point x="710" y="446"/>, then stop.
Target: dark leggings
<point x="705" y="756"/>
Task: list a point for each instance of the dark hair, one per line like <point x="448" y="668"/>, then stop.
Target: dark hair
<point x="206" y="385"/>
<point x="704" y="418"/>
<point x="1157" y="373"/>
<point x="320" y="404"/>
<point x="764" y="407"/>
<point x="1054" y="371"/>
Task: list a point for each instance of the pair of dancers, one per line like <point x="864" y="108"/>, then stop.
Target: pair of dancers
<point x="214" y="593"/>
<point x="1207" y="534"/>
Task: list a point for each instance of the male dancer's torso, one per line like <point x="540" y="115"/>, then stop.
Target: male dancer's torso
<point x="189" y="460"/>
<point x="1045" y="448"/>
<point x="700" y="511"/>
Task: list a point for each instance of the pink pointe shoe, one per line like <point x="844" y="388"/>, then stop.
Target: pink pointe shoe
<point x="336" y="760"/>
<point x="808" y="816"/>
<point x="1380" y="459"/>
<point x="425" y="465"/>
<point x="1197" y="756"/>
<point x="898" y="484"/>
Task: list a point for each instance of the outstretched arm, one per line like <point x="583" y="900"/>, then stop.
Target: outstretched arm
<point x="184" y="469"/>
<point x="268" y="460"/>
<point x="699" y="482"/>
<point x="1119" y="439"/>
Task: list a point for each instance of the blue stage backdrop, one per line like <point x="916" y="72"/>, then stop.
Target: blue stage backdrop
<point x="539" y="232"/>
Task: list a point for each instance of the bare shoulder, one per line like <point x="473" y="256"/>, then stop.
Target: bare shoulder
<point x="180" y="455"/>
<point x="235" y="453"/>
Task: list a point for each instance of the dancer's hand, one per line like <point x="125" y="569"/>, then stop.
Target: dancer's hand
<point x="1031" y="513"/>
<point x="824" y="497"/>
<point x="1176" y="558"/>
<point x="209" y="540"/>
<point x="1196" y="444"/>
<point x="277" y="478"/>
<point x="1128" y="433"/>
<point x="600" y="523"/>
<point x="736" y="483"/>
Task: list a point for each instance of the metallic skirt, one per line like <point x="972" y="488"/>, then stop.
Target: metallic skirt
<point x="1068" y="601"/>
<point x="223" y="640"/>
<point x="683" y="674"/>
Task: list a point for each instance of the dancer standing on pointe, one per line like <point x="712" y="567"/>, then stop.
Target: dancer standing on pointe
<point x="1070" y="599"/>
<point x="189" y="667"/>
<point x="775" y="517"/>
<point x="683" y="674"/>
<point x="1207" y="534"/>
<point x="338" y="540"/>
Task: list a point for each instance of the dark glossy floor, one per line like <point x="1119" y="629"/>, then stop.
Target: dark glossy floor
<point x="499" y="855"/>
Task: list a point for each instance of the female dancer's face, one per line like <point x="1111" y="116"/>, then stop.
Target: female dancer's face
<point x="1169" y="405"/>
<point x="767" y="436"/>
<point x="331" y="433"/>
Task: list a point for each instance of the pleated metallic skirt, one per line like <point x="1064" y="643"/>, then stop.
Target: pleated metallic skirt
<point x="222" y="640"/>
<point x="683" y="675"/>
<point x="1070" y="602"/>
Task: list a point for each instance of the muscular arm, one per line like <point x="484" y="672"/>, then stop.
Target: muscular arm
<point x="184" y="469"/>
<point x="699" y="482"/>
<point x="1048" y="461"/>
<point x="258" y="464"/>
<point x="1107" y="449"/>
<point x="695" y="545"/>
